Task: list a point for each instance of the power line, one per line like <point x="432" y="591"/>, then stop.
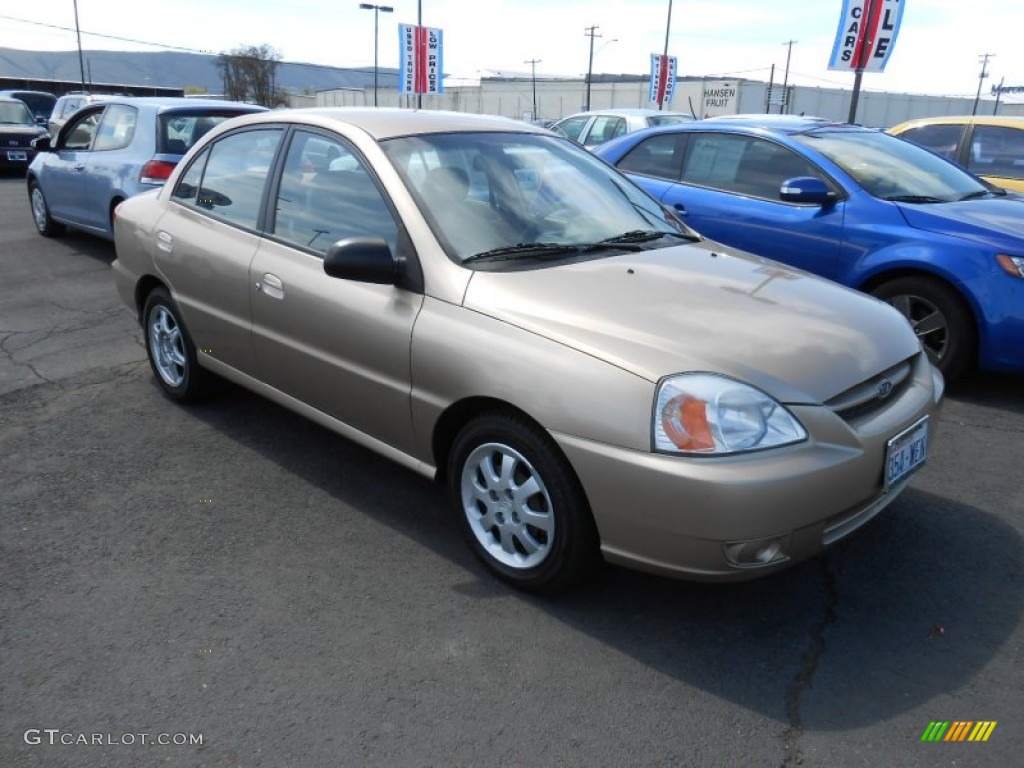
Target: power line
<point x="180" y="48"/>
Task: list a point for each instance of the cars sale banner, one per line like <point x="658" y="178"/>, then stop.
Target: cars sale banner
<point x="866" y="35"/>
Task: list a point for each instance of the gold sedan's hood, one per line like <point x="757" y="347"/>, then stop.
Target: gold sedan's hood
<point x="704" y="308"/>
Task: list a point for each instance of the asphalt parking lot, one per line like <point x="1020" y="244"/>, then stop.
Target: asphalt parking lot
<point x="234" y="573"/>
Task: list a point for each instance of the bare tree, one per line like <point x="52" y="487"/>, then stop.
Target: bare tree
<point x="249" y="74"/>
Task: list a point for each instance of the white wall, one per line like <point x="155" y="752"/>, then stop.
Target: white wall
<point x="558" y="98"/>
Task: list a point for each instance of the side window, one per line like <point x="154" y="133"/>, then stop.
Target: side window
<point x="658" y="156"/>
<point x="327" y="194"/>
<point x="80" y="133"/>
<point x="743" y="165"/>
<point x="997" y="151"/>
<point x="941" y="139"/>
<point x="234" y="176"/>
<point x="188" y="184"/>
<point x="605" y="127"/>
<point x="116" y="128"/>
<point x="572" y="127"/>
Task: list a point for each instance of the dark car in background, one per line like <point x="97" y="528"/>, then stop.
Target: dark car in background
<point x="39" y="103"/>
<point x="18" y="129"/>
<point x="858" y="206"/>
<point x="112" y="149"/>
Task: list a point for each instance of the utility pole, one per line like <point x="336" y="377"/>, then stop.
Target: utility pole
<point x="78" y="34"/>
<point x="771" y="85"/>
<point x="999" y="92"/>
<point x="533" y="73"/>
<point x="668" y="26"/>
<point x="984" y="64"/>
<point x="866" y="45"/>
<point x="590" y="32"/>
<point x="784" y="104"/>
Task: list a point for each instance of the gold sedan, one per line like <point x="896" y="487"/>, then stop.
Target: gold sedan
<point x="493" y="307"/>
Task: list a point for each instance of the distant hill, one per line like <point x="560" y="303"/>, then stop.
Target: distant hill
<point x="175" y="70"/>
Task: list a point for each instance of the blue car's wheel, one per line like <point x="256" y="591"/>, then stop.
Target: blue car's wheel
<point x="939" y="317"/>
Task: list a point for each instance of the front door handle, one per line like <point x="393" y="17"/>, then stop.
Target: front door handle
<point x="680" y="209"/>
<point x="271" y="286"/>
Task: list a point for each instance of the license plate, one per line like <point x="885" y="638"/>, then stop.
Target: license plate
<point x="906" y="452"/>
<point x="17" y="156"/>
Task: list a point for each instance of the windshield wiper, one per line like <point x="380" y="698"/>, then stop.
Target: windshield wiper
<point x="523" y="251"/>
<point x="915" y="199"/>
<point x="646" y="235"/>
<point x="975" y="195"/>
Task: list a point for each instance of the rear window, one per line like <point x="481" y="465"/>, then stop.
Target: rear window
<point x="15" y="113"/>
<point x="178" y="131"/>
<point x="41" y="104"/>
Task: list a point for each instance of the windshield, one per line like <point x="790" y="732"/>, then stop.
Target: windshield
<point x="15" y="113"/>
<point x="526" y="195"/>
<point x="894" y="169"/>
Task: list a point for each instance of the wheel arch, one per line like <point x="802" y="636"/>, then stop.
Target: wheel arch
<point x="460" y="413"/>
<point x="145" y="286"/>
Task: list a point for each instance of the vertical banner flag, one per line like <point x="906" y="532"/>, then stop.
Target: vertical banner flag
<point x="867" y="33"/>
<point x="420" y="69"/>
<point x="663" y="78"/>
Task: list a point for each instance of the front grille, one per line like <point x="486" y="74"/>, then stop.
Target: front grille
<point x="871" y="395"/>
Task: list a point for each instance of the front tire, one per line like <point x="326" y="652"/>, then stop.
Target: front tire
<point x="172" y="355"/>
<point x="45" y="224"/>
<point x="519" y="504"/>
<point x="939" y="317"/>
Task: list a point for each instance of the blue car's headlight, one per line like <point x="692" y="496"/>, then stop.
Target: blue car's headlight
<point x="1013" y="265"/>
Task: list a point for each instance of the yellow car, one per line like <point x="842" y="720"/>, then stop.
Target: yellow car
<point x="990" y="147"/>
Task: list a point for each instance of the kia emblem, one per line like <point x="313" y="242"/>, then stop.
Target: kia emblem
<point x="884" y="388"/>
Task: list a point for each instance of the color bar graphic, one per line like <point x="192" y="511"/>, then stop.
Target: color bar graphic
<point x="958" y="730"/>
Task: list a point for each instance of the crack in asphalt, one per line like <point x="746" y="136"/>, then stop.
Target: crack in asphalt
<point x="803" y="679"/>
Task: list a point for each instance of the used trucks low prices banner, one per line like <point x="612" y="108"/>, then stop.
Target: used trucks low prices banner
<point x="867" y="33"/>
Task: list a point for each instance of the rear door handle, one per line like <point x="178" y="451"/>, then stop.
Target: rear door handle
<point x="79" y="168"/>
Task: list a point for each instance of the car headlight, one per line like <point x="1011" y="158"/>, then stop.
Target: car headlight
<point x="707" y="414"/>
<point x="1013" y="265"/>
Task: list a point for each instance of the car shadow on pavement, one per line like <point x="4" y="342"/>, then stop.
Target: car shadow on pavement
<point x="908" y="608"/>
<point x="995" y="390"/>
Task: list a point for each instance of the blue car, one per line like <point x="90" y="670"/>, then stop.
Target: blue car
<point x="856" y="205"/>
<point x="111" y="149"/>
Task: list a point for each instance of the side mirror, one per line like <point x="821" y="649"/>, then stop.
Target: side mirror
<point x="42" y="144"/>
<point x="806" y="189"/>
<point x="364" y="259"/>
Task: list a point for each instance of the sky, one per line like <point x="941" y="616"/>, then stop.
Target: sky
<point x="938" y="49"/>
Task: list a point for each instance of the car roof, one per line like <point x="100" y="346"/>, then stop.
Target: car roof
<point x="384" y="123"/>
<point x="162" y="103"/>
<point x="1007" y="121"/>
<point x="627" y="112"/>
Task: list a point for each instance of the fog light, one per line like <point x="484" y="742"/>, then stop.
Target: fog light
<point x="756" y="553"/>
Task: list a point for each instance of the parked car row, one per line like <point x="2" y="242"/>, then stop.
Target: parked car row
<point x="18" y="131"/>
<point x="508" y="314"/>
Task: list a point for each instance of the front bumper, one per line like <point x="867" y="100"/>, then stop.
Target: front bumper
<point x="680" y="516"/>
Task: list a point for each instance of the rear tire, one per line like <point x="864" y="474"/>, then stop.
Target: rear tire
<point x="45" y="224"/>
<point x="172" y="355"/>
<point x="520" y="506"/>
<point x="939" y="317"/>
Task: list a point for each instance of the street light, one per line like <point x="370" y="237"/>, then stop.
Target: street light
<point x="377" y="9"/>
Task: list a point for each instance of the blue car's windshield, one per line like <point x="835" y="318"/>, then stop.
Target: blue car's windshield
<point x="893" y="169"/>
